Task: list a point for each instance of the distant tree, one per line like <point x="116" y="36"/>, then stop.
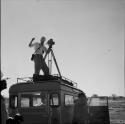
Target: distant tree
<point x="114" y="96"/>
<point x="121" y="97"/>
<point x="95" y="95"/>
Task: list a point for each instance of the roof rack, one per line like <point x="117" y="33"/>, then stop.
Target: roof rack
<point x="26" y="79"/>
<point x="66" y="79"/>
<point x="30" y="80"/>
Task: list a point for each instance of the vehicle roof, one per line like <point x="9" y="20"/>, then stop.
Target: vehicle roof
<point x="44" y="85"/>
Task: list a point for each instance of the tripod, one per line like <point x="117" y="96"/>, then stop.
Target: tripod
<point x="52" y="55"/>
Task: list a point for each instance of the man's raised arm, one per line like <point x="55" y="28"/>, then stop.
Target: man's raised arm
<point x="30" y="44"/>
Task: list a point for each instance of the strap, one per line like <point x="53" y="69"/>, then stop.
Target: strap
<point x="37" y="49"/>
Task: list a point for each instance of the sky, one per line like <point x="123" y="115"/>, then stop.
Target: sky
<point x="89" y="41"/>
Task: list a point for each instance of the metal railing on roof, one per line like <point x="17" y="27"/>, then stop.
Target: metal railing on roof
<point x="66" y="79"/>
<point x="25" y="79"/>
<point x="30" y="80"/>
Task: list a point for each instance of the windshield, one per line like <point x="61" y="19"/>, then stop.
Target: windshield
<point x="33" y="99"/>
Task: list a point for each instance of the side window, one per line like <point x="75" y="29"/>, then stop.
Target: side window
<point x="75" y="99"/>
<point x="69" y="100"/>
<point x="54" y="99"/>
<point x="13" y="101"/>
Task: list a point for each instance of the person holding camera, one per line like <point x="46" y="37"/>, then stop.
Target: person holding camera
<point x="37" y="57"/>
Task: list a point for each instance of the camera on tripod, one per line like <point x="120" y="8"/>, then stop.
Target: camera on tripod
<point x="50" y="42"/>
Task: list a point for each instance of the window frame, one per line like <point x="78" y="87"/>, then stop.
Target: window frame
<point x="50" y="94"/>
<point x="10" y="101"/>
<point x="21" y="102"/>
<point x="31" y="96"/>
<point x="65" y="99"/>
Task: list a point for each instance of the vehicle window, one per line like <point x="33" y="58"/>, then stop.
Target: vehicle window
<point x="69" y="100"/>
<point x="33" y="99"/>
<point x="13" y="101"/>
<point x="25" y="102"/>
<point x="54" y="99"/>
<point x="75" y="98"/>
<point x="37" y="102"/>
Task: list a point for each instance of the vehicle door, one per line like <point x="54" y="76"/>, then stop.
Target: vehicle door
<point x="33" y="106"/>
<point x="54" y="108"/>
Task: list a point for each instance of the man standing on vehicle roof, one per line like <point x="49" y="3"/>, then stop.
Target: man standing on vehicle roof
<point x="39" y="62"/>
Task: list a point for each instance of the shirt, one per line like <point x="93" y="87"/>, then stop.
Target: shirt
<point x="39" y="49"/>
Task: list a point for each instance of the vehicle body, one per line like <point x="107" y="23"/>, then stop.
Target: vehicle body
<point x="44" y="102"/>
<point x="51" y="101"/>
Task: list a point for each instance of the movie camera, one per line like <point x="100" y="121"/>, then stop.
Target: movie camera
<point x="50" y="43"/>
